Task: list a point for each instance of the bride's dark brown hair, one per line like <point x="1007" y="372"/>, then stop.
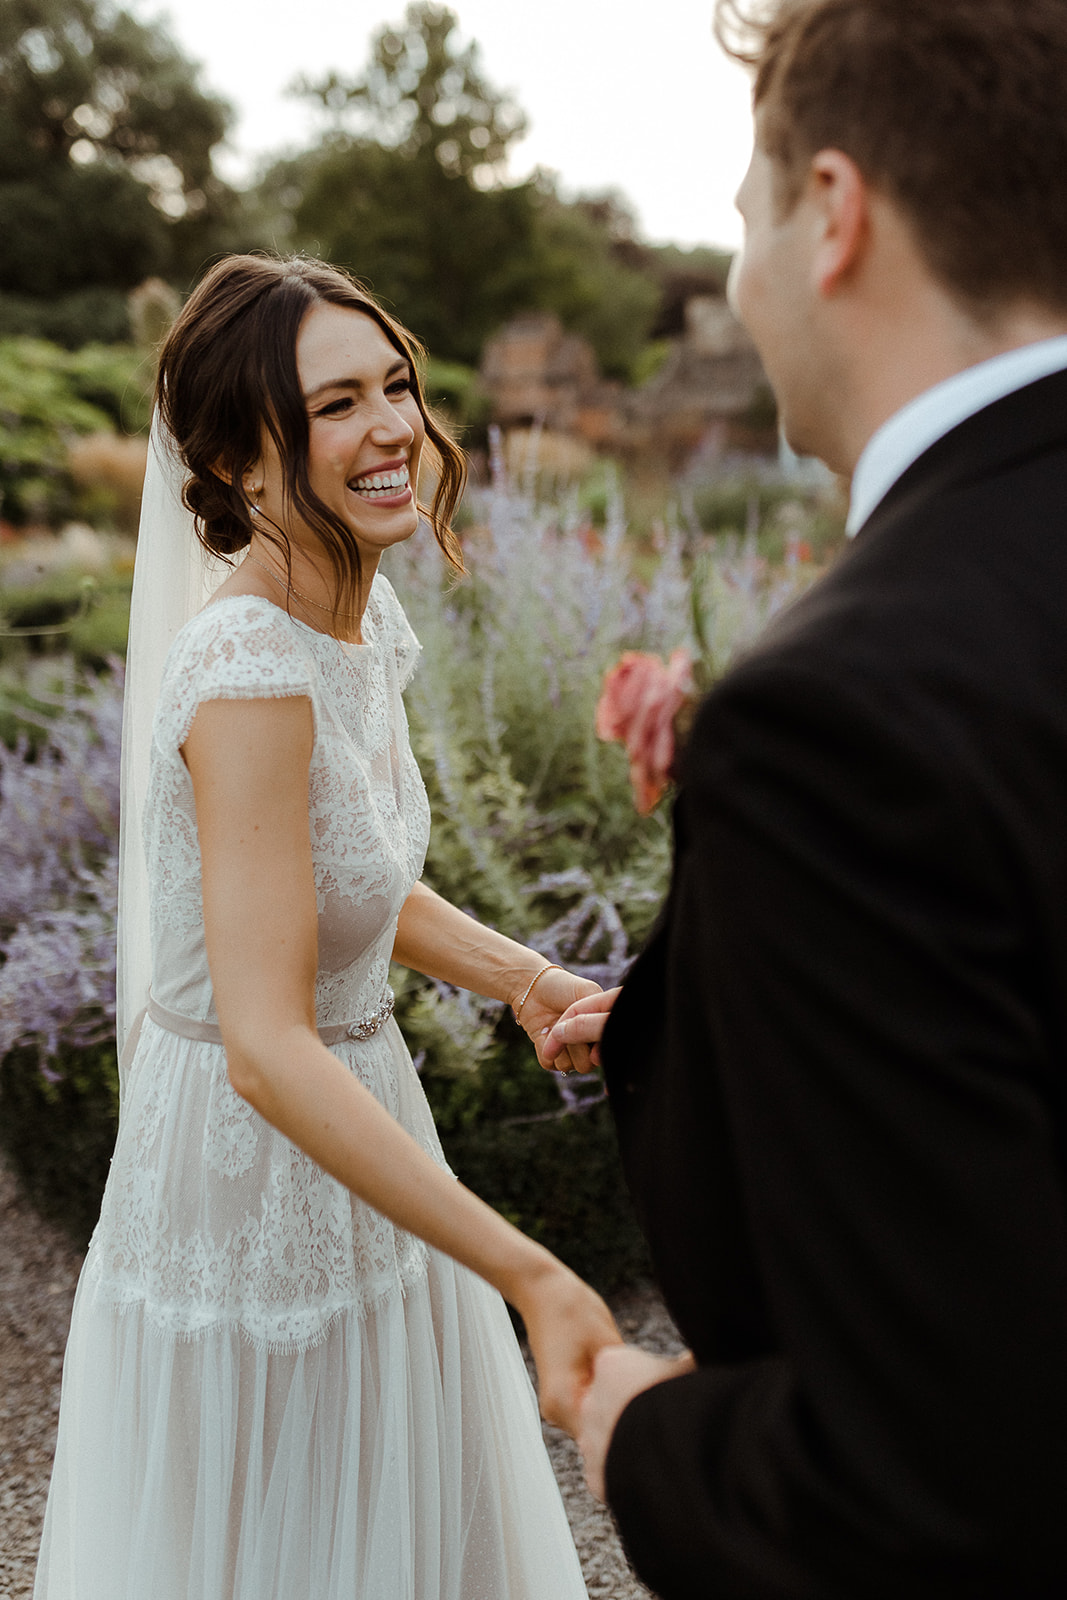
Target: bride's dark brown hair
<point x="228" y="372"/>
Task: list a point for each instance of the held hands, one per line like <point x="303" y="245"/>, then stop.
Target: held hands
<point x="580" y="1028"/>
<point x="554" y="994"/>
<point x="568" y="1326"/>
<point x="620" y="1373"/>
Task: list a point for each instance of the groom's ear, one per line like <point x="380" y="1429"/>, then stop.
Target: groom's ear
<point x="841" y="199"/>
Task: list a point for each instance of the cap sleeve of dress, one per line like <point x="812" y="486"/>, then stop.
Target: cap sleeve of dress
<point x="243" y="648"/>
<point x="398" y="629"/>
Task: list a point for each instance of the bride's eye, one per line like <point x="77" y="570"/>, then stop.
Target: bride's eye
<point x="399" y="386"/>
<point x="336" y="408"/>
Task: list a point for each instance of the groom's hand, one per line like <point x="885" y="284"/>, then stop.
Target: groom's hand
<point x="620" y="1372"/>
<point x="582" y="1024"/>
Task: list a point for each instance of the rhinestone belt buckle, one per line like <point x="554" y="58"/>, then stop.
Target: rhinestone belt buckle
<point x="370" y="1025"/>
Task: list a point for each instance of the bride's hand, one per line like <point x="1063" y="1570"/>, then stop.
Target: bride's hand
<point x="567" y="1324"/>
<point x="554" y="994"/>
<point x="580" y="1026"/>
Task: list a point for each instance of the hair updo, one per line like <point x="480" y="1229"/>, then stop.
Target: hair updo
<point x="228" y="373"/>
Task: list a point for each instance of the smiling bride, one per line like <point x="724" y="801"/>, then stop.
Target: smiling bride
<point x="290" y="1375"/>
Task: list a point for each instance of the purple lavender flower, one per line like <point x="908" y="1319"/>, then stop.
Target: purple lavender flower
<point x="59" y="810"/>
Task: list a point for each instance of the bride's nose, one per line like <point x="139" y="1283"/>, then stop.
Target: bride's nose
<point x="390" y="426"/>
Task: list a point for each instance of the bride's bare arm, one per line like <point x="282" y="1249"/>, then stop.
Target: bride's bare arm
<point x="438" y="939"/>
<point x="249" y="762"/>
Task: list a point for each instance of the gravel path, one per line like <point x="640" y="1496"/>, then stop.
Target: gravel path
<point x="38" y="1274"/>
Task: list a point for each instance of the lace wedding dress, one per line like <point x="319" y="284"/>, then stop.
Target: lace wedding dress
<point x="270" y="1392"/>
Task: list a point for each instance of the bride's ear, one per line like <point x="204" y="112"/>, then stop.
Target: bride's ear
<point x="249" y="482"/>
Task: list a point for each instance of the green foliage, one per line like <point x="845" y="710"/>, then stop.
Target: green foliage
<point x="97" y="314"/>
<point x="404" y="191"/>
<point x="651" y="359"/>
<point x="560" y="1182"/>
<point x="39" y="410"/>
<point x="594" y="275"/>
<point x="778" y="515"/>
<point x="456" y="390"/>
<point x="87" y="619"/>
<point x="407" y="192"/>
<point x="420" y="95"/>
<point x="58" y="1136"/>
<point x="106" y="139"/>
<point x="504" y="725"/>
<point x="48" y="396"/>
<point x="454" y="261"/>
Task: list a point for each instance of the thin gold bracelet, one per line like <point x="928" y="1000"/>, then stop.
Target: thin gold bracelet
<point x="552" y="966"/>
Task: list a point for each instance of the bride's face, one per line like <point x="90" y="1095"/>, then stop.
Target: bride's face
<point x="365" y="431"/>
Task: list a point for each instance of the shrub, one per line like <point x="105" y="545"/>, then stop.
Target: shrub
<point x="58" y="893"/>
<point x="58" y="1135"/>
<point x="50" y="396"/>
<point x="109" y="470"/>
<point x="99" y="314"/>
<point x="66" y="615"/>
<point x="559" y="1181"/>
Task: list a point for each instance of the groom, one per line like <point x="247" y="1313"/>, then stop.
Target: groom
<point x="839" y="1071"/>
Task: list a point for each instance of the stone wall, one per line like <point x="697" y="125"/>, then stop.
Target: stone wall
<point x="711" y="387"/>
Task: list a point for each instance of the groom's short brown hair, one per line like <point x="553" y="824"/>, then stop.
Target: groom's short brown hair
<point x="956" y="109"/>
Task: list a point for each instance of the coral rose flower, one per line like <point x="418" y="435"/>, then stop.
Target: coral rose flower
<point x="638" y="704"/>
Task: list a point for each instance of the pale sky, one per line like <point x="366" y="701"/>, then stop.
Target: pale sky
<point x="617" y="94"/>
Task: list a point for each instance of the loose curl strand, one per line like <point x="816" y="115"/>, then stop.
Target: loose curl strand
<point x="228" y="374"/>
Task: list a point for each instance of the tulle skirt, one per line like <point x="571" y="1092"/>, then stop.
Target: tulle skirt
<point x="399" y="1458"/>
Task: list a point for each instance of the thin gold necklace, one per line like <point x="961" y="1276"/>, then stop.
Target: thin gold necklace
<point x="288" y="586"/>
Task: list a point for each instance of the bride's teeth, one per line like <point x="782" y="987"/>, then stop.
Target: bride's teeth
<point x="376" y="484"/>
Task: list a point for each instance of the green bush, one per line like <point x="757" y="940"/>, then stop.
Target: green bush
<point x="50" y="396"/>
<point x="772" y="511"/>
<point x="97" y="315"/>
<point x="58" y="1136"/>
<point x="69" y="615"/>
<point x="457" y="391"/>
<point x="561" y="1183"/>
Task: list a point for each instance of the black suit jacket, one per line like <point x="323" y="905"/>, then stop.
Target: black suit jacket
<point x="839" y="1070"/>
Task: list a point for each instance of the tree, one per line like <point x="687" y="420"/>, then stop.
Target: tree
<point x="406" y="189"/>
<point x="453" y="261"/>
<point x="422" y="96"/>
<point x="106" y="140"/>
<point x="597" y="276"/>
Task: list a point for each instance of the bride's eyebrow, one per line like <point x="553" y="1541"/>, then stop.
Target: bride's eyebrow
<point x="355" y="383"/>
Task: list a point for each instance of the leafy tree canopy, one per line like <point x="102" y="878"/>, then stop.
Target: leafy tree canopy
<point x="421" y="95"/>
<point x="106" y="138"/>
<point x="597" y="276"/>
<point x="405" y="190"/>
<point x="452" y="260"/>
<point x="408" y="191"/>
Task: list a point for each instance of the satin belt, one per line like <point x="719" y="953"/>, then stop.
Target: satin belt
<point x="211" y="1033"/>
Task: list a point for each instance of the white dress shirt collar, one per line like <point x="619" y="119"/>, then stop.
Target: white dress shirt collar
<point x="918" y="425"/>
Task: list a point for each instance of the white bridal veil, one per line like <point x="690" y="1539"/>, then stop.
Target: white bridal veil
<point x="173" y="577"/>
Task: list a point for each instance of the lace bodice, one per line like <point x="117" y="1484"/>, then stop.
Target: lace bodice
<point x="211" y="1216"/>
<point x="367" y="810"/>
